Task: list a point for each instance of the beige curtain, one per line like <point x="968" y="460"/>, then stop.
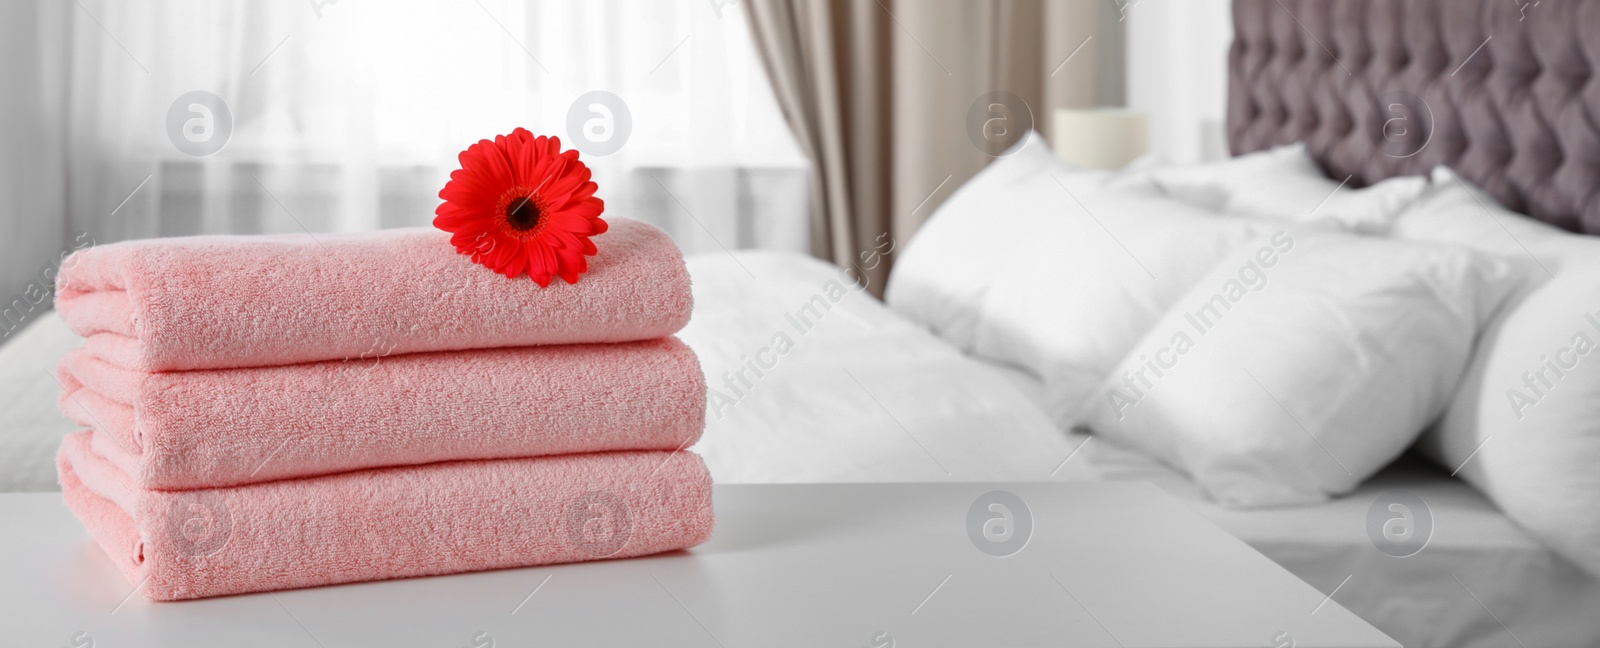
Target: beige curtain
<point x="878" y="91"/>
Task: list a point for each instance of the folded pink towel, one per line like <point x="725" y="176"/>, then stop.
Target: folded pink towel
<point x="210" y="302"/>
<point x="224" y="427"/>
<point x="385" y="523"/>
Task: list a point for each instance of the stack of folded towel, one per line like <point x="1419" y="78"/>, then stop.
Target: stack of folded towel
<point x="281" y="412"/>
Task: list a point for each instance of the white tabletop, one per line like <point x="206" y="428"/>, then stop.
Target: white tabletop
<point x="1104" y="564"/>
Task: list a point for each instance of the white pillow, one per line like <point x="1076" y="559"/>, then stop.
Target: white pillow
<point x="1525" y="426"/>
<point x="1285" y="184"/>
<point x="941" y="275"/>
<point x="1303" y="363"/>
<point x="1082" y="288"/>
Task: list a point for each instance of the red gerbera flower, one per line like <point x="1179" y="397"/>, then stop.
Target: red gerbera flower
<point x="521" y="204"/>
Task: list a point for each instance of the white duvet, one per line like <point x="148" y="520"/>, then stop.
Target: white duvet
<point x="31" y="425"/>
<point x="813" y="380"/>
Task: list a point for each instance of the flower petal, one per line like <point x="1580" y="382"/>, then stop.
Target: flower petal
<point x="472" y="204"/>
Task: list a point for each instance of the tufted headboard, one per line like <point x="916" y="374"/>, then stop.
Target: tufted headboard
<point x="1507" y="92"/>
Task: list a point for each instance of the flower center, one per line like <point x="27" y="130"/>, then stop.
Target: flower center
<point x="522" y="213"/>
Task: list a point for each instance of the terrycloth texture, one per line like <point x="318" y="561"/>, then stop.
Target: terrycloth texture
<point x="225" y="427"/>
<point x="212" y="302"/>
<point x="387" y="523"/>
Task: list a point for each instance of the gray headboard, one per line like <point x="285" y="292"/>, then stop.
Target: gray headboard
<point x="1506" y="93"/>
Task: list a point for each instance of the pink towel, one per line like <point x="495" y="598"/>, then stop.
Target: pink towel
<point x="211" y="302"/>
<point x="225" y="427"/>
<point x="385" y="523"/>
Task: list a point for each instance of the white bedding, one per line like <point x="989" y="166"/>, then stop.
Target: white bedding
<point x="864" y="395"/>
<point x="31" y="426"/>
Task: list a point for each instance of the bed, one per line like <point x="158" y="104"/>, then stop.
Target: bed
<point x="867" y="396"/>
<point x="1499" y="91"/>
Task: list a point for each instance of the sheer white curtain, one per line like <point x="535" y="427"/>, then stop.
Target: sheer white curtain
<point x="347" y="115"/>
<point x="33" y="109"/>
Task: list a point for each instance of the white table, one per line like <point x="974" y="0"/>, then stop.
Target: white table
<point x="1105" y="564"/>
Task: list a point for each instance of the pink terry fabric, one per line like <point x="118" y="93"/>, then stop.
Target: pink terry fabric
<point x="387" y="523"/>
<point x="225" y="427"/>
<point x="211" y="302"/>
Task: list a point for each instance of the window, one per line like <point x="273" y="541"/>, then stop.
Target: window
<point x="348" y="116"/>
